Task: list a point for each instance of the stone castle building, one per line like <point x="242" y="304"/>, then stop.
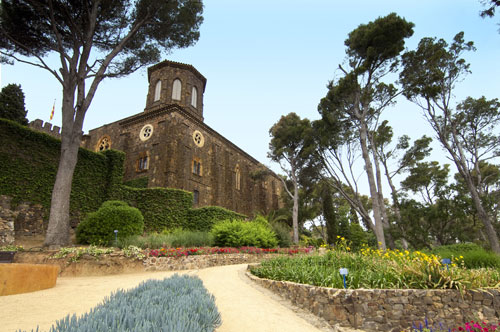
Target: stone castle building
<point x="170" y="144"/>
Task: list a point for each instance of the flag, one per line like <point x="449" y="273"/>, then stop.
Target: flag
<point x="52" y="113"/>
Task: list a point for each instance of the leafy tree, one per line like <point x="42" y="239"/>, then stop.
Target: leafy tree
<point x="490" y="8"/>
<point x="12" y="104"/>
<point x="354" y="103"/>
<point x="469" y="132"/>
<point x="387" y="154"/>
<point x="94" y="40"/>
<point x="289" y="147"/>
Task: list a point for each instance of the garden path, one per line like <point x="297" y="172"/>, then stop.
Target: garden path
<point x="244" y="306"/>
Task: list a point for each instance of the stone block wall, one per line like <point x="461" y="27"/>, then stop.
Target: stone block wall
<point x="25" y="219"/>
<point x="389" y="309"/>
<point x="201" y="261"/>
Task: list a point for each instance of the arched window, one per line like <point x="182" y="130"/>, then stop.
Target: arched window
<point x="194" y="97"/>
<point x="157" y="91"/>
<point x="176" y="89"/>
<point x="237" y="177"/>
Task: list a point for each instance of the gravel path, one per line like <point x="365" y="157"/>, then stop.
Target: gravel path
<point x="243" y="305"/>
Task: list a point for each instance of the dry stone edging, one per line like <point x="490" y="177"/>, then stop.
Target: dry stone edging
<point x="388" y="309"/>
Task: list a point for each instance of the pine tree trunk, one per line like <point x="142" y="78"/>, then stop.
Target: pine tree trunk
<point x="59" y="224"/>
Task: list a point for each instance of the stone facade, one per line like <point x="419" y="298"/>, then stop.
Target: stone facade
<point x="389" y="309"/>
<point x="25" y="219"/>
<point x="171" y="145"/>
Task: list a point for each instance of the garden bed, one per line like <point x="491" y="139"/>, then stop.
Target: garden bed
<point x="389" y="309"/>
<point x="93" y="261"/>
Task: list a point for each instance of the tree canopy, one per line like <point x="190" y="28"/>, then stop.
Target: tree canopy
<point x="12" y="104"/>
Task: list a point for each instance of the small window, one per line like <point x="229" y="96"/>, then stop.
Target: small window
<point x="176" y="90"/>
<point x="142" y="163"/>
<point x="197" y="167"/>
<point x="194" y="97"/>
<point x="196" y="196"/>
<point x="237" y="178"/>
<point x="157" y="90"/>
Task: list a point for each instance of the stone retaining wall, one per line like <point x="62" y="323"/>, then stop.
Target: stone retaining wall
<point x="7" y="218"/>
<point x="25" y="219"/>
<point x="201" y="261"/>
<point x="389" y="309"/>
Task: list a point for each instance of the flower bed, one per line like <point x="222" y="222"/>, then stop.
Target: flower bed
<point x="197" y="258"/>
<point x="183" y="252"/>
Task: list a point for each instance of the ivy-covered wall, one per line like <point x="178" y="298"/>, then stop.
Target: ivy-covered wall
<point x="28" y="166"/>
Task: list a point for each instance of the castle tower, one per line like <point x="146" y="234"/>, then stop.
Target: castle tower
<point x="176" y="83"/>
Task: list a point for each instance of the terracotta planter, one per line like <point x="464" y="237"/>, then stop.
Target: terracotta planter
<point x="24" y="278"/>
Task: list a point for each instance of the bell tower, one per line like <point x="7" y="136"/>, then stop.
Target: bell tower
<point x="176" y="83"/>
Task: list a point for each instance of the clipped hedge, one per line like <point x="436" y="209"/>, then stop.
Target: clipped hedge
<point x="204" y="218"/>
<point x="98" y="227"/>
<point x="162" y="208"/>
<point x="176" y="304"/>
<point x="141" y="182"/>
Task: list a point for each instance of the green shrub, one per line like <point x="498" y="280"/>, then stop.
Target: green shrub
<point x="473" y="256"/>
<point x="202" y="219"/>
<point x="177" y="238"/>
<point x="98" y="227"/>
<point x="179" y="303"/>
<point x="282" y="232"/>
<point x="238" y="233"/>
<point x="182" y="238"/>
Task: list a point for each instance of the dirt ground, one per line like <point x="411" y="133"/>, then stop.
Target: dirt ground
<point x="243" y="305"/>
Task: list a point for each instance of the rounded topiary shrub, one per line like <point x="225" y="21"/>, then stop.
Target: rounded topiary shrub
<point x="98" y="227"/>
<point x="239" y="233"/>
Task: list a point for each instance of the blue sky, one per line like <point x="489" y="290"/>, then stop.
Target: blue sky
<point x="263" y="59"/>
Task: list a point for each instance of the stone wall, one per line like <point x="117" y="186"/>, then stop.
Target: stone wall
<point x="25" y="219"/>
<point x="40" y="126"/>
<point x="7" y="217"/>
<point x="389" y="309"/>
<point x="201" y="261"/>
